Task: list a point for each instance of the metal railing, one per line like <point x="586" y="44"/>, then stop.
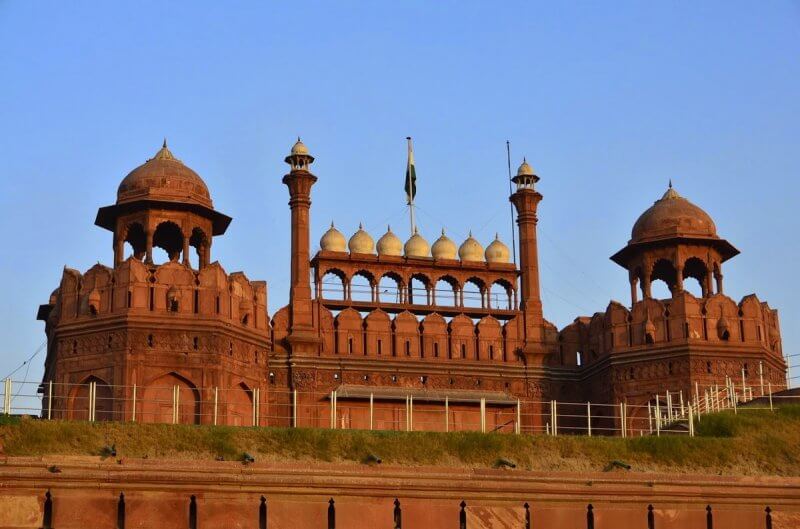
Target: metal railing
<point x="670" y="412"/>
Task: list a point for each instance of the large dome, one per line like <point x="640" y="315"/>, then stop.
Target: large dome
<point x="165" y="178"/>
<point x="673" y="216"/>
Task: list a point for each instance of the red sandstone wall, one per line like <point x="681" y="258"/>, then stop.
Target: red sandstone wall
<point x="85" y="494"/>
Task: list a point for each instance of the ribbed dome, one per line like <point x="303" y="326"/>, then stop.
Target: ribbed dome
<point x="497" y="251"/>
<point x="333" y="240"/>
<point x="417" y="246"/>
<point x="470" y="250"/>
<point x="673" y="216"/>
<point x="390" y="244"/>
<point x="165" y="178"/>
<point x="361" y="242"/>
<point x="444" y="248"/>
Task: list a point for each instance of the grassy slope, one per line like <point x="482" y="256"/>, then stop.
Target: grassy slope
<point x="755" y="442"/>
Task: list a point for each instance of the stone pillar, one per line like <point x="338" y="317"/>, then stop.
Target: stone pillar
<point x="634" y="294"/>
<point x="119" y="249"/>
<point x="302" y="339"/>
<point x="718" y="277"/>
<point x="526" y="201"/>
<point x="679" y="278"/>
<point x="149" y="247"/>
<point x="185" y="249"/>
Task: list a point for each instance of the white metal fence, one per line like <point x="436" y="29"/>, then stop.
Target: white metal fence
<point x="671" y="412"/>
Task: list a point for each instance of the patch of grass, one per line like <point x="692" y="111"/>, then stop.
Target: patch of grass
<point x="752" y="442"/>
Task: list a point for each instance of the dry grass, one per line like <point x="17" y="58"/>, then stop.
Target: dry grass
<point x="754" y="442"/>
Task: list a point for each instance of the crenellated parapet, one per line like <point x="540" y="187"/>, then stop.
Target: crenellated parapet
<point x="168" y="290"/>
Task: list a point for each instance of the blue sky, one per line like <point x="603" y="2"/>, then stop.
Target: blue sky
<point x="607" y="101"/>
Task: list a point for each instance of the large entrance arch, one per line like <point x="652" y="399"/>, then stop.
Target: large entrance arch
<point x="157" y="403"/>
<point x="103" y="401"/>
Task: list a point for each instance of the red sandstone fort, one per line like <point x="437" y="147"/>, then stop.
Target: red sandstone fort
<point x="369" y="326"/>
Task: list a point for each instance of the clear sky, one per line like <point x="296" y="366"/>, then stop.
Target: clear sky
<point x="607" y="100"/>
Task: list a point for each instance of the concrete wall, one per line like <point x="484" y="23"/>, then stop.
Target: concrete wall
<point x="85" y="493"/>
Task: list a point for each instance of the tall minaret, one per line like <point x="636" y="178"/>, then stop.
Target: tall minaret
<point x="526" y="200"/>
<point x="302" y="338"/>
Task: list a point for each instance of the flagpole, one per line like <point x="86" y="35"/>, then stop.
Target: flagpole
<point x="510" y="192"/>
<point x="411" y="184"/>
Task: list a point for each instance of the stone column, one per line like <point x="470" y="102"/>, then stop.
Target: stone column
<point x="526" y="201"/>
<point x="186" y="249"/>
<point x="149" y="247"/>
<point x="302" y="339"/>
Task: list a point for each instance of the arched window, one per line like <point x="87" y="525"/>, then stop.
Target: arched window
<point x="168" y="237"/>
<point x="473" y="293"/>
<point x="694" y="274"/>
<point x="418" y="290"/>
<point x="332" y="285"/>
<point x="446" y="291"/>
<point x="500" y="296"/>
<point x="663" y="279"/>
<point x="199" y="241"/>
<point x="390" y="288"/>
<point x="361" y="286"/>
<point x="135" y="241"/>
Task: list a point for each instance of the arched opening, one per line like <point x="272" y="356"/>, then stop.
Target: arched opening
<point x="694" y="269"/>
<point x="160" y="397"/>
<point x="663" y="279"/>
<point x="199" y="241"/>
<point x="361" y="286"/>
<point x="135" y="241"/>
<point x="473" y="293"/>
<point x="446" y="292"/>
<point x="168" y="237"/>
<point x="418" y="292"/>
<point x="240" y="405"/>
<point x="390" y="288"/>
<point x="332" y="285"/>
<point x="80" y="404"/>
<point x="500" y="296"/>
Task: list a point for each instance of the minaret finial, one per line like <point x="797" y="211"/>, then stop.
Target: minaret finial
<point x="164" y="146"/>
<point x="331" y="223"/>
<point x="670" y="183"/>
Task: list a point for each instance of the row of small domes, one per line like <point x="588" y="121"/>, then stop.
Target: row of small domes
<point x="389" y="244"/>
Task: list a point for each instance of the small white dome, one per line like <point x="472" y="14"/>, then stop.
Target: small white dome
<point x="471" y="250"/>
<point x="333" y="240"/>
<point x="417" y="246"/>
<point x="497" y="251"/>
<point x="444" y="248"/>
<point x="361" y="242"/>
<point x="390" y="244"/>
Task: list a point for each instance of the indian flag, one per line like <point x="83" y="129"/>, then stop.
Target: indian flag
<point x="411" y="175"/>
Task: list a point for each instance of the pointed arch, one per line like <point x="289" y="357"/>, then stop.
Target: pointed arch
<point x="158" y="404"/>
<point x="240" y="404"/>
<point x="79" y="404"/>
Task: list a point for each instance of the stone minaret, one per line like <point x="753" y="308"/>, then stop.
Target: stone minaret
<point x="302" y="339"/>
<point x="526" y="200"/>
